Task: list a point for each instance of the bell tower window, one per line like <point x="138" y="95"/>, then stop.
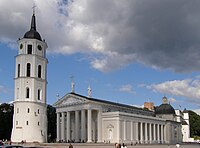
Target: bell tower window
<point x="39" y="94"/>
<point x="29" y="49"/>
<point x="39" y="71"/>
<point x="18" y="70"/>
<point x="27" y="92"/>
<point x="28" y="72"/>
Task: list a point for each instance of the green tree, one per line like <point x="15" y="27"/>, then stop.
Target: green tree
<point x="194" y="124"/>
<point x="6" y="117"/>
<point x="51" y="117"/>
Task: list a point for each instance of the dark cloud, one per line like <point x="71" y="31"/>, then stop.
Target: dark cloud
<point x="160" y="34"/>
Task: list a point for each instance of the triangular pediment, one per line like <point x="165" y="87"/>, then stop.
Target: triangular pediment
<point x="69" y="100"/>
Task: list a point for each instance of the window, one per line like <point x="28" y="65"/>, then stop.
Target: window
<point x="38" y="123"/>
<point x="18" y="70"/>
<point x="29" y="49"/>
<point x="39" y="71"/>
<point x="38" y="111"/>
<point x="28" y="111"/>
<point x="27" y="92"/>
<point x="28" y="70"/>
<point x="17" y="93"/>
<point x="16" y="122"/>
<point x="26" y="122"/>
<point x="17" y="110"/>
<point x="39" y="94"/>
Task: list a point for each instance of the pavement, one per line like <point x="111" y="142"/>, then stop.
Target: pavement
<point x="86" y="145"/>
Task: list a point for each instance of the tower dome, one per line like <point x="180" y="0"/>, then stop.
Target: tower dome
<point x="165" y="108"/>
<point x="32" y="33"/>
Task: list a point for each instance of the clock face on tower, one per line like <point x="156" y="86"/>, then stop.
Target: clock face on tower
<point x="39" y="47"/>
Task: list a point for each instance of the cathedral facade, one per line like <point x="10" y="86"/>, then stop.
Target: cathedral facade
<point x="86" y="119"/>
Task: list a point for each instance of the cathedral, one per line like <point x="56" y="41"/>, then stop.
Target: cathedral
<point x="81" y="118"/>
<point x="87" y="119"/>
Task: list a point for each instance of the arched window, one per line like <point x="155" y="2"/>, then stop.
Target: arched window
<point x="18" y="70"/>
<point x="29" y="49"/>
<point x="39" y="71"/>
<point x="28" y="110"/>
<point x="27" y="92"/>
<point x="38" y="111"/>
<point x="39" y="94"/>
<point x="28" y="70"/>
<point x="26" y="122"/>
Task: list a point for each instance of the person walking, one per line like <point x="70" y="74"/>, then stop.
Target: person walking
<point x="70" y="145"/>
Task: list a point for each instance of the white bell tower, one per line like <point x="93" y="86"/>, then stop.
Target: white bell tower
<point x="30" y="117"/>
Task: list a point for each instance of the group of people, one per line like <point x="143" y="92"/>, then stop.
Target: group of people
<point x="118" y="145"/>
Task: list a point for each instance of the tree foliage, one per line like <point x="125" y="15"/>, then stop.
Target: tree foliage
<point x="6" y="116"/>
<point x="51" y="117"/>
<point x="194" y="124"/>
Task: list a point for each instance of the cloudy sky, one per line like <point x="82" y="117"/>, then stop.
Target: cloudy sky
<point x="127" y="51"/>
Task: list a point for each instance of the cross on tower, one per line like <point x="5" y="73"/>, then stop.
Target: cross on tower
<point x="34" y="6"/>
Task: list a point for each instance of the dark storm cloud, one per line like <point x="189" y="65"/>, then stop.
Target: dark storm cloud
<point x="163" y="34"/>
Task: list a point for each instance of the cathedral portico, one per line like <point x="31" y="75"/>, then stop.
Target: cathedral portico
<point x="79" y="125"/>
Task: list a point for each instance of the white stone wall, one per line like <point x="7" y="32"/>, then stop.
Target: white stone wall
<point x="29" y="125"/>
<point x="186" y="128"/>
<point x="126" y="128"/>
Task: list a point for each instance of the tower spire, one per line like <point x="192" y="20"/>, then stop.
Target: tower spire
<point x="33" y="22"/>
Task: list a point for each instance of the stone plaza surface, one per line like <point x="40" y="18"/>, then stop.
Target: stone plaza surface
<point x="78" y="145"/>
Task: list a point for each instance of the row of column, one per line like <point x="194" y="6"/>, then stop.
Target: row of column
<point x="151" y="133"/>
<point x="64" y="130"/>
<point x="145" y="132"/>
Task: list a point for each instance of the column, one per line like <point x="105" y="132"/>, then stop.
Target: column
<point x="141" y="132"/>
<point x="83" y="134"/>
<point x="124" y="129"/>
<point x="63" y="127"/>
<point x="150" y="133"/>
<point x="77" y="126"/>
<point x="118" y="131"/>
<point x="99" y="124"/>
<point x="165" y="134"/>
<point x="158" y="132"/>
<point x="146" y="134"/>
<point x="136" y="131"/>
<point x="162" y="137"/>
<point x="68" y="126"/>
<point x="154" y="133"/>
<point x="89" y="125"/>
<point x="58" y="126"/>
<point x="132" y="131"/>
